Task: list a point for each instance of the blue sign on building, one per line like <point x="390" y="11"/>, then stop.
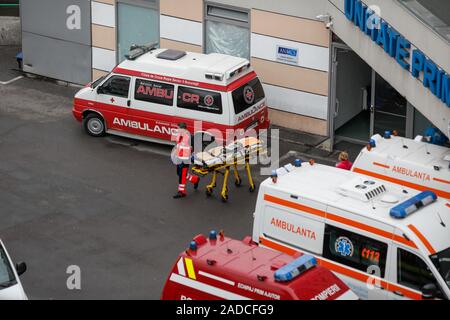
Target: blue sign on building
<point x="399" y="48"/>
<point x="288" y="55"/>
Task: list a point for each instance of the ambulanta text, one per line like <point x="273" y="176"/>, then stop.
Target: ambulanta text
<point x="306" y="233"/>
<point x="412" y="173"/>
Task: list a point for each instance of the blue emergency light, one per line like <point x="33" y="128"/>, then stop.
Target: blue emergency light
<point x="193" y="246"/>
<point x="297" y="163"/>
<point x="387" y="134"/>
<point x="295" y="268"/>
<point x="412" y="205"/>
<point x="373" y="143"/>
<point x="213" y="235"/>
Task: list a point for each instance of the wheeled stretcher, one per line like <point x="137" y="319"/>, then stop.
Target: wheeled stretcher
<point x="221" y="160"/>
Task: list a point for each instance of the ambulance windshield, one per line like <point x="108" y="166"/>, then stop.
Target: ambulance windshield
<point x="97" y="82"/>
<point x="442" y="262"/>
<point x="247" y="95"/>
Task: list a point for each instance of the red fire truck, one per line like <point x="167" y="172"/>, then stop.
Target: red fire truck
<point x="221" y="268"/>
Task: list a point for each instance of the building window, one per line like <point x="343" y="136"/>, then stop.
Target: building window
<point x="137" y="23"/>
<point x="227" y="30"/>
<point x="354" y="250"/>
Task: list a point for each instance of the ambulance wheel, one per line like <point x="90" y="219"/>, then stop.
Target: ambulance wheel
<point x="251" y="189"/>
<point x="94" y="125"/>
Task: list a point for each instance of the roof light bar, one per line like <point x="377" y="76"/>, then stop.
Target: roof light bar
<point x="295" y="268"/>
<point x="412" y="205"/>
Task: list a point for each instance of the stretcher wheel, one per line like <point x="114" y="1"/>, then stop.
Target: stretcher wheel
<point x="238" y="183"/>
<point x="224" y="198"/>
<point x="251" y="189"/>
<point x="209" y="192"/>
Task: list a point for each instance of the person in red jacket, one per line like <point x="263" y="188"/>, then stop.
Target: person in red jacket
<point x="344" y="163"/>
<point x="181" y="157"/>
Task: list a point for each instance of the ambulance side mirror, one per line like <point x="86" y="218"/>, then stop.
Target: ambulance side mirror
<point x="21" y="268"/>
<point x="429" y="291"/>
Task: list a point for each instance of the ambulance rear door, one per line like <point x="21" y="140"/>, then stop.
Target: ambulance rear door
<point x="293" y="220"/>
<point x="113" y="97"/>
<point x="207" y="109"/>
<point x="152" y="107"/>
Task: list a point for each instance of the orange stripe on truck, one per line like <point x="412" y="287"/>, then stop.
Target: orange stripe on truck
<point x="381" y="165"/>
<point x="294" y="205"/>
<point x="339" y="219"/>
<point x="441" y="180"/>
<point x="341" y="269"/>
<point x="422" y="238"/>
<point x="408" y="184"/>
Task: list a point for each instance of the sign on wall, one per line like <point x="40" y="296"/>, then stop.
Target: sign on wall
<point x="287" y="55"/>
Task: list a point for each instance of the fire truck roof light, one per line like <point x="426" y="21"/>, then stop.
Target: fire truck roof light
<point x="213" y="235"/>
<point x="410" y="206"/>
<point x="193" y="246"/>
<point x="295" y="268"/>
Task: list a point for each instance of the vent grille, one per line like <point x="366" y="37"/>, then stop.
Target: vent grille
<point x="375" y="192"/>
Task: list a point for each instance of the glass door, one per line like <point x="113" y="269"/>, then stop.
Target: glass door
<point x="390" y="109"/>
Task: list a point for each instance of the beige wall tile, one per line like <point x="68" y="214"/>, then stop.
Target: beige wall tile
<point x="186" y="9"/>
<point x="291" y="28"/>
<point x="97" y="74"/>
<point x="298" y="122"/>
<point x="107" y="1"/>
<point x="292" y="77"/>
<point x="103" y="37"/>
<point x="171" y="44"/>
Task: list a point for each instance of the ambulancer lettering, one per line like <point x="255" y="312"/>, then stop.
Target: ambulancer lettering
<point x="303" y="232"/>
<point x="254" y="110"/>
<point x="327" y="293"/>
<point x="412" y="173"/>
<point x="155" y="92"/>
<point x="144" y="126"/>
<point x="258" y="291"/>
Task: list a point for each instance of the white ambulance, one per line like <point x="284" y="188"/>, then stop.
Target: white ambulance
<point x="384" y="241"/>
<point x="10" y="285"/>
<point x="412" y="163"/>
<point x="147" y="95"/>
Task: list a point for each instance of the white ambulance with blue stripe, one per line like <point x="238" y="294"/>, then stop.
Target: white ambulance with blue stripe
<point x="385" y="241"/>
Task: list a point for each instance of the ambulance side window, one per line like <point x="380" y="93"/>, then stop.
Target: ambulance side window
<point x="155" y="92"/>
<point x="199" y="100"/>
<point x="116" y="86"/>
<point x="413" y="272"/>
<point x="355" y="250"/>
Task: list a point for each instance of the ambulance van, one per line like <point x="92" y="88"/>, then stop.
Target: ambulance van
<point x="221" y="268"/>
<point x="412" y="163"/>
<point x="383" y="240"/>
<point x="10" y="285"/>
<point x="153" y="90"/>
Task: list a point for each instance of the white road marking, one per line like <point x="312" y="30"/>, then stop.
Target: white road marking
<point x="10" y="81"/>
